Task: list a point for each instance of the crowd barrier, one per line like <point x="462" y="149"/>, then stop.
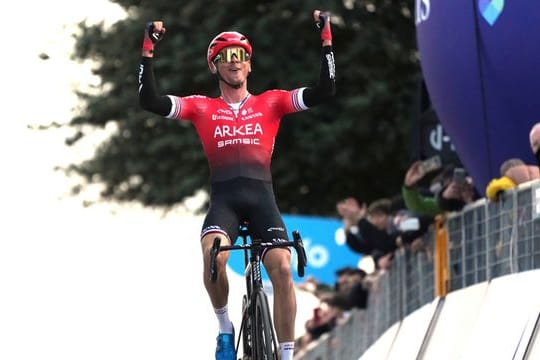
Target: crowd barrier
<point x="484" y="241"/>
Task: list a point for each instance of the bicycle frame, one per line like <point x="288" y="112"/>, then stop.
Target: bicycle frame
<point x="255" y="295"/>
<point x="256" y="330"/>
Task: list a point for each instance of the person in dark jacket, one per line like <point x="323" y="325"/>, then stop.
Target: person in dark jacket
<point x="367" y="229"/>
<point x="350" y="290"/>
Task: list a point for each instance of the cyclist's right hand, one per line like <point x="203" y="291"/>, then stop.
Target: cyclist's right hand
<point x="153" y="32"/>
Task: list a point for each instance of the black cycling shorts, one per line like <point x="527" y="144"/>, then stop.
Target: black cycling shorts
<point x="243" y="199"/>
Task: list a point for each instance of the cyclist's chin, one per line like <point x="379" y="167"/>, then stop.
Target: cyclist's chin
<point x="236" y="82"/>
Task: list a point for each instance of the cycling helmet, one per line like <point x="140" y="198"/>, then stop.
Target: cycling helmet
<point x="221" y="41"/>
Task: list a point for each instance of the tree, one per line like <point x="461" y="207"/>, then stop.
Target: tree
<point x="355" y="145"/>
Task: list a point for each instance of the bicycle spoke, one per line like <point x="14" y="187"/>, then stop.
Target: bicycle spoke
<point x="265" y="342"/>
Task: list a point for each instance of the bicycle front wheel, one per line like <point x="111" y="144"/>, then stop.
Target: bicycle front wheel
<point x="264" y="339"/>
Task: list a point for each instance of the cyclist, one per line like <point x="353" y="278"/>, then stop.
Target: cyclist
<point x="237" y="131"/>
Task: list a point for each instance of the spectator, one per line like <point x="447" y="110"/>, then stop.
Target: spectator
<point x="513" y="172"/>
<point x="350" y="290"/>
<point x="519" y="172"/>
<point x="415" y="201"/>
<point x="312" y="285"/>
<point x="457" y="193"/>
<point x="367" y="230"/>
<point x="448" y="194"/>
<point x="534" y="139"/>
<point x="351" y="212"/>
<point x="325" y="318"/>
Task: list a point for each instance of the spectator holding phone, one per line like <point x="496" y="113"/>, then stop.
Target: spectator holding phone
<point x="459" y="192"/>
<point x="416" y="201"/>
<point x="456" y="189"/>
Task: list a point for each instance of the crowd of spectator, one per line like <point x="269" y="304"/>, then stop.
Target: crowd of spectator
<point x="349" y="292"/>
<point x="376" y="230"/>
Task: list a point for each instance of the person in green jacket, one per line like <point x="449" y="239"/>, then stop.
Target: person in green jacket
<point x="415" y="201"/>
<point x="453" y="195"/>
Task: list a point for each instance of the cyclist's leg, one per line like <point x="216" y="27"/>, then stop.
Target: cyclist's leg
<point x="218" y="290"/>
<point x="277" y="263"/>
<point x="220" y="222"/>
<point x="217" y="224"/>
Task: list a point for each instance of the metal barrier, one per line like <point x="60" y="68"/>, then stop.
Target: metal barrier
<point x="492" y="239"/>
<point x="484" y="241"/>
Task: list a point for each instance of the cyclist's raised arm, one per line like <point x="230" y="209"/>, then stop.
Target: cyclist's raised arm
<point x="327" y="83"/>
<point x="149" y="99"/>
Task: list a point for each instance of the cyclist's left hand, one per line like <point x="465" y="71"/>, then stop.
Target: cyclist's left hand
<point x="322" y="20"/>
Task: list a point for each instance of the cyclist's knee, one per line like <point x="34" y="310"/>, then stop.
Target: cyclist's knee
<point x="208" y="241"/>
<point x="278" y="265"/>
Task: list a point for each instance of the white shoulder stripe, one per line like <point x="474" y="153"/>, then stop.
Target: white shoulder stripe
<point x="300" y="98"/>
<point x="175" y="107"/>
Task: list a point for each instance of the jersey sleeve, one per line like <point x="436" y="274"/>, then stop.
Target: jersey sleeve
<point x="285" y="102"/>
<point x="326" y="87"/>
<point x="149" y="97"/>
<point x="187" y="107"/>
<point x="297" y="98"/>
<point x="176" y="107"/>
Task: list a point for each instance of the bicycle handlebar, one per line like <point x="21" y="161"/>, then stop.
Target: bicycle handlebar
<point x="213" y="255"/>
<point x="300" y="253"/>
<point x="297" y="244"/>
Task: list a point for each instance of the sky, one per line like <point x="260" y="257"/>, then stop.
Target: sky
<point x="107" y="281"/>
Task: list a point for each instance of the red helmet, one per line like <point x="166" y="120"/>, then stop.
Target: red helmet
<point x="223" y="40"/>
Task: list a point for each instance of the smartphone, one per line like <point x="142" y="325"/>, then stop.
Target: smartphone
<point x="459" y="176"/>
<point x="431" y="164"/>
<point x="410" y="224"/>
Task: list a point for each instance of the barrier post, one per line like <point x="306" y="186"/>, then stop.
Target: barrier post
<point x="441" y="256"/>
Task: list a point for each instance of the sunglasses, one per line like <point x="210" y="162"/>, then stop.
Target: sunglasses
<point x="226" y="55"/>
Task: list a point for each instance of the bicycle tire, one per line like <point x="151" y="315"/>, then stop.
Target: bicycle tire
<point x="246" y="330"/>
<point x="264" y="339"/>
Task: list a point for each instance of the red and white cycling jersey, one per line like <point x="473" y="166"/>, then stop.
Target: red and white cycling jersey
<point x="238" y="144"/>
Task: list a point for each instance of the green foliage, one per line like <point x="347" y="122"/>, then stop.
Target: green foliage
<point x="354" y="145"/>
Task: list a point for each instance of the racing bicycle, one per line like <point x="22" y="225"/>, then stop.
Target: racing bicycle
<point x="259" y="341"/>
